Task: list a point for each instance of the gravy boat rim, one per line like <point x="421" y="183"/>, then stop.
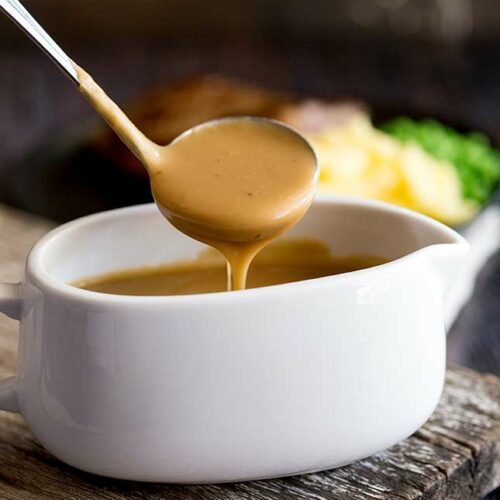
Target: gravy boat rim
<point x="39" y="275"/>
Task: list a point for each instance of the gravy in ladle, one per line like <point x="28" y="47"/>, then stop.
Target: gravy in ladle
<point x="235" y="184"/>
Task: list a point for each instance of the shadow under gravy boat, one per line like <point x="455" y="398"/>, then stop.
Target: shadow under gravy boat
<point x="221" y="387"/>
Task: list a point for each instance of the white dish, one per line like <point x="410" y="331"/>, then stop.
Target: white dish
<point x="231" y="386"/>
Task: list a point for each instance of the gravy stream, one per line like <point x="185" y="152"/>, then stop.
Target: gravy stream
<point x="283" y="261"/>
<point x="235" y="184"/>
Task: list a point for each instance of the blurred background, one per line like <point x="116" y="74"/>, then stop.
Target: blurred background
<point x="436" y="58"/>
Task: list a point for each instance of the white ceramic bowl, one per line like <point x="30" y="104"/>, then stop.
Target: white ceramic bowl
<point x="231" y="386"/>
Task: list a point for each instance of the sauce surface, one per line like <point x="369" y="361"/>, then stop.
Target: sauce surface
<point x="234" y="184"/>
<point x="283" y="261"/>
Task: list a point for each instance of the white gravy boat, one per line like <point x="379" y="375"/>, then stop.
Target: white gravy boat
<point x="231" y="386"/>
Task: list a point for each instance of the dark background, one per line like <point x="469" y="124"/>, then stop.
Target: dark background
<point x="437" y="56"/>
<point x="424" y="57"/>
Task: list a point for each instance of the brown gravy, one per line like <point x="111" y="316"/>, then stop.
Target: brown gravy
<point x="283" y="261"/>
<point x="236" y="184"/>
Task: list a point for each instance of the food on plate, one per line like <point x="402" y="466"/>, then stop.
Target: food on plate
<point x="358" y="159"/>
<point x="476" y="162"/>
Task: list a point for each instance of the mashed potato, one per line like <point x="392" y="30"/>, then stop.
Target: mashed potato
<point x="357" y="159"/>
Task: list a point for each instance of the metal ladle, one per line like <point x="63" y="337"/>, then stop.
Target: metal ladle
<point x="24" y="20"/>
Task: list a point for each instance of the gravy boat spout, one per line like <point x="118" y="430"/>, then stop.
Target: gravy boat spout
<point x="445" y="254"/>
<point x="401" y="236"/>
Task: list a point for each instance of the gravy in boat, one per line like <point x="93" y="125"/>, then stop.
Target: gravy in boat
<point x="235" y="184"/>
<point x="283" y="261"/>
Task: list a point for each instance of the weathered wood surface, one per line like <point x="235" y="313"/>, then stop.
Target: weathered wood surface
<point x="456" y="455"/>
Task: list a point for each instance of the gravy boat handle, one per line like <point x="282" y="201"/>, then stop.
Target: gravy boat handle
<point x="11" y="303"/>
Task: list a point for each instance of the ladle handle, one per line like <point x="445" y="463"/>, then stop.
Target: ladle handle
<point x="24" y="20"/>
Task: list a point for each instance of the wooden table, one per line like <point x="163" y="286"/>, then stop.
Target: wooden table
<point x="456" y="455"/>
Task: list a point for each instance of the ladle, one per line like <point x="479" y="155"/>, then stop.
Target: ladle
<point x="239" y="237"/>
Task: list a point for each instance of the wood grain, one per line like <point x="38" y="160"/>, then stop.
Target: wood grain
<point x="456" y="455"/>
